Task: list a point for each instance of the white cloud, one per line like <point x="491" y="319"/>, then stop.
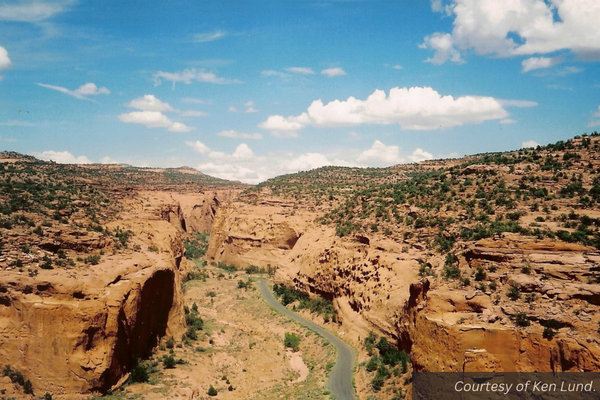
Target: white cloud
<point x="529" y="143"/>
<point x="534" y="63"/>
<point x="151" y="114"/>
<point x="246" y="166"/>
<point x="151" y="119"/>
<point x="419" y="155"/>
<point x="416" y="108"/>
<point x="232" y="109"/>
<point x="285" y="127"/>
<point x="397" y="67"/>
<point x="62" y="157"/>
<point x="597" y="113"/>
<point x="240" y="135"/>
<point x="191" y="75"/>
<point x="32" y="10"/>
<point x="444" y="47"/>
<point x="149" y="102"/>
<point x="90" y="89"/>
<point x="87" y="89"/>
<point x="518" y="27"/>
<point x="4" y="60"/>
<point x="508" y="121"/>
<point x="380" y="155"/>
<point x="154" y="119"/>
<point x="331" y="72"/>
<point x="301" y="70"/>
<point x="198" y="147"/>
<point x="179" y="127"/>
<point x="209" y="36"/>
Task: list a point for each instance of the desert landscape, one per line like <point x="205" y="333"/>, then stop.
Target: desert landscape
<point x="134" y="283"/>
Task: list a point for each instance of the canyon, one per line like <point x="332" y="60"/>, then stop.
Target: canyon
<point x="488" y="263"/>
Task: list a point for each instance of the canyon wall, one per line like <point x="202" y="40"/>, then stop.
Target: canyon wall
<point x="375" y="285"/>
<point x="76" y="330"/>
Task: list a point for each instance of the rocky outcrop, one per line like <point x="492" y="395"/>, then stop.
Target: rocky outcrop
<point x="375" y="285"/>
<point x="80" y="330"/>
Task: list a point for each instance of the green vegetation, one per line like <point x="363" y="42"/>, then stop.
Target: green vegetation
<point x="193" y="321"/>
<point x="315" y="305"/>
<point x="389" y="356"/>
<point x="212" y="391"/>
<point x="17" y="378"/>
<point x="292" y="341"/>
<point x="196" y="248"/>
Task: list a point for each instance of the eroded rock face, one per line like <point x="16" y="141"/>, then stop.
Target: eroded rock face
<point x="80" y="330"/>
<point x="375" y="285"/>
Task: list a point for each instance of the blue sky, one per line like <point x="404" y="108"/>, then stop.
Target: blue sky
<point x="248" y="90"/>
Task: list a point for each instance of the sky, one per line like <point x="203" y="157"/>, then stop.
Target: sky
<point x="250" y="89"/>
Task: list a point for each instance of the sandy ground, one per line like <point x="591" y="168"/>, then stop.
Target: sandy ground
<point x="240" y="351"/>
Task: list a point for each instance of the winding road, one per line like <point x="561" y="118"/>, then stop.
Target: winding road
<point x="340" y="379"/>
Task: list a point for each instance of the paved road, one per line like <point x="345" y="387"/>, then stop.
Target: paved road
<point x="340" y="379"/>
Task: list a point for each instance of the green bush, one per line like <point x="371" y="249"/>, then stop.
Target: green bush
<point x="212" y="391"/>
<point x="513" y="292"/>
<point x="292" y="341"/>
<point x="169" y="361"/>
<point x="140" y="374"/>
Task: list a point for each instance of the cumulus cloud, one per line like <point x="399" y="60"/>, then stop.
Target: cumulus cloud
<point x="149" y="102"/>
<point x="32" y="10"/>
<point x="240" y="135"/>
<point x="198" y="147"/>
<point x="517" y="27"/>
<point x="416" y="108"/>
<point x="4" y="60"/>
<point x="245" y="165"/>
<point x="87" y="89"/>
<point x="62" y="157"/>
<point x="90" y="89"/>
<point x="381" y="155"/>
<point x="154" y="119"/>
<point x="191" y="75"/>
<point x="444" y="48"/>
<point x="529" y="143"/>
<point x="300" y="70"/>
<point x="151" y="114"/>
<point x="285" y="127"/>
<point x="331" y="72"/>
<point x="534" y="63"/>
<point x="209" y="36"/>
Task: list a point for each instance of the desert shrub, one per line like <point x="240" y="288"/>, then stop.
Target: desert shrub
<point x="197" y="247"/>
<point x="480" y="274"/>
<point x="372" y="364"/>
<point x="169" y="362"/>
<point x="513" y="292"/>
<point x="521" y="319"/>
<point x="212" y="391"/>
<point x="140" y="373"/>
<point x="292" y="341"/>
